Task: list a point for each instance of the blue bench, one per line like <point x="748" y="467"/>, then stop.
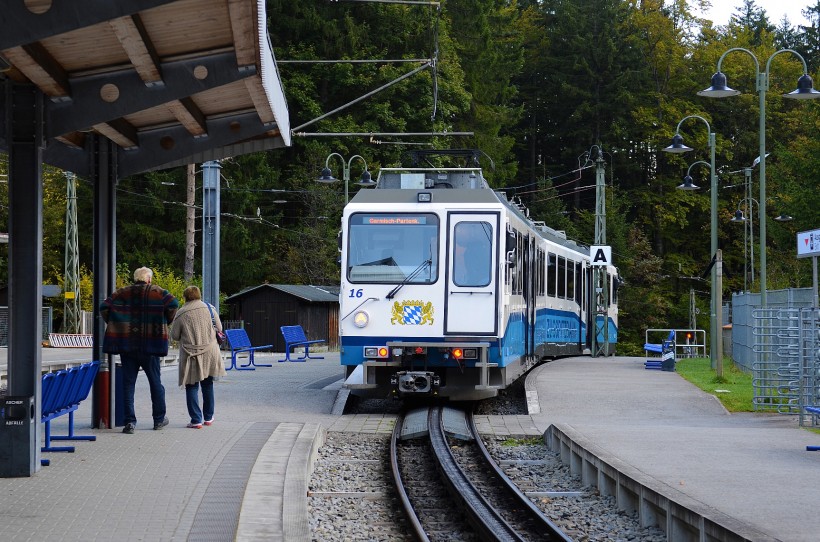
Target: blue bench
<point x="294" y="338"/>
<point x="664" y="349"/>
<point x="62" y="392"/>
<point x="239" y="342"/>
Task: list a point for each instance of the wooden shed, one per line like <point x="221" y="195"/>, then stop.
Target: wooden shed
<point x="267" y="307"/>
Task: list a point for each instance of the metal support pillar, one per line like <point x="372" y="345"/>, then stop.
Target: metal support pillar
<point x="105" y="274"/>
<point x="600" y="282"/>
<point x="24" y="119"/>
<point x="71" y="286"/>
<point x="210" y="232"/>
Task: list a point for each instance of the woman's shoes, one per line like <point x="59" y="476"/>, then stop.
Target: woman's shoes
<point x="194" y="426"/>
<point x="209" y="422"/>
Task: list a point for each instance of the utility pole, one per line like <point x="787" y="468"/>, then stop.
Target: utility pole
<point x="210" y="232"/>
<point x="190" y="224"/>
<point x="71" y="286"/>
<point x="693" y="315"/>
<point x="600" y="282"/>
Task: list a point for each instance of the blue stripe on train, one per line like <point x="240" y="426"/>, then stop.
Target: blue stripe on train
<point x="552" y="326"/>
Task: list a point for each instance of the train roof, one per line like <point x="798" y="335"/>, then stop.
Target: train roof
<point x="397" y="195"/>
<point x="452" y="185"/>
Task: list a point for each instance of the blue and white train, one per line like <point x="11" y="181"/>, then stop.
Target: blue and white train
<point x="448" y="289"/>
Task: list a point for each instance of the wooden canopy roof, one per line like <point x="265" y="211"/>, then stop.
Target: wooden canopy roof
<point x="169" y="82"/>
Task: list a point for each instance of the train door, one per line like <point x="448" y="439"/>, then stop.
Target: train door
<point x="472" y="276"/>
<point x="529" y="294"/>
<point x="589" y="299"/>
<point x="581" y="299"/>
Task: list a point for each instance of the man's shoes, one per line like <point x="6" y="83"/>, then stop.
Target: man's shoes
<point x="208" y="422"/>
<point x="129" y="429"/>
<point x="193" y="425"/>
<point x="160" y="425"/>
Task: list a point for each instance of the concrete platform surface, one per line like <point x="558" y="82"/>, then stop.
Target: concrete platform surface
<point x="245" y="477"/>
<point x="749" y="469"/>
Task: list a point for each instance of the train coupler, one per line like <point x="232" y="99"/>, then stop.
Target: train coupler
<point x="415" y="382"/>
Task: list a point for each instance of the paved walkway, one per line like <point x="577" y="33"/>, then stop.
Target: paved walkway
<point x="246" y="476"/>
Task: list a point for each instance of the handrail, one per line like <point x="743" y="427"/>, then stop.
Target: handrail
<point x="692" y="347"/>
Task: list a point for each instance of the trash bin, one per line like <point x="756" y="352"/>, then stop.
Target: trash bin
<point x="668" y="358"/>
<point x="18" y="447"/>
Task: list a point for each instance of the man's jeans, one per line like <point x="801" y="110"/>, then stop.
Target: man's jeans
<point x="131" y="364"/>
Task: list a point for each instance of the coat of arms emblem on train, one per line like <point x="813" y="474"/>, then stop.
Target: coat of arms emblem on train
<point x="412" y="313"/>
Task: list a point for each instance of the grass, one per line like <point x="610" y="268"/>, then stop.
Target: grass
<point x="528" y="441"/>
<point x="733" y="389"/>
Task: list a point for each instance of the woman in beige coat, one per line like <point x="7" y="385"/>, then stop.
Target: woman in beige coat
<point x="199" y="358"/>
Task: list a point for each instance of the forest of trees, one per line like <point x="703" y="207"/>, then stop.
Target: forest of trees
<point x="540" y="84"/>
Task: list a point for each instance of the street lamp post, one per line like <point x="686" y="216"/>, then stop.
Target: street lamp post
<point x="748" y="232"/>
<point x="677" y="146"/>
<point x="748" y="237"/>
<point x="327" y="175"/>
<point x="719" y="89"/>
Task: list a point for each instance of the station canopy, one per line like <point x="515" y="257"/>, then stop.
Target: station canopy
<point x="169" y="82"/>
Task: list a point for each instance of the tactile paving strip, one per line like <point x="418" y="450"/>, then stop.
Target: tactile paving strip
<point x="218" y="514"/>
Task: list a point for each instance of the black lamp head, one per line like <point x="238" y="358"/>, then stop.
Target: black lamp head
<point x="326" y="176"/>
<point x="719" y="89"/>
<point x="677" y="145"/>
<point x="805" y="89"/>
<point x="688" y="184"/>
<point x="366" y="180"/>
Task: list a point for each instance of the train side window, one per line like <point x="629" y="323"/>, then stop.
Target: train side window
<point x="614" y="286"/>
<point x="552" y="263"/>
<point x="578" y="282"/>
<point x="562" y="277"/>
<point x="570" y="280"/>
<point x="541" y="264"/>
<point x="521" y="248"/>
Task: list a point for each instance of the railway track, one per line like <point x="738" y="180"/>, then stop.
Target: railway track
<point x="451" y="489"/>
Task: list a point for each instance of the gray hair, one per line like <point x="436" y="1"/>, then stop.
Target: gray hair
<point x="143" y="274"/>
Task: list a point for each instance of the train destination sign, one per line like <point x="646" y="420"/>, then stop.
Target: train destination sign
<point x="808" y="243"/>
<point x="390" y="220"/>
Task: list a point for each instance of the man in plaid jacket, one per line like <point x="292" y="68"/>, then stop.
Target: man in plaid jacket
<point x="137" y="318"/>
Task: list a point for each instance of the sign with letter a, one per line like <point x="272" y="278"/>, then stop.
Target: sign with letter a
<point x="600" y="255"/>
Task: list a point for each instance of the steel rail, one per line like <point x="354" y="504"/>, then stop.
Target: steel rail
<point x="489" y="525"/>
<point x="549" y="529"/>
<point x="407" y="506"/>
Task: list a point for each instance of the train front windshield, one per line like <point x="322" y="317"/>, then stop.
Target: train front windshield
<point x="393" y="247"/>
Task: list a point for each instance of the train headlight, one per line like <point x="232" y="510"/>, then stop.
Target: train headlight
<point x="376" y="352"/>
<point x="360" y="319"/>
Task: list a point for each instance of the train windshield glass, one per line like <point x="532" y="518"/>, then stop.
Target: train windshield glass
<point x="389" y="247"/>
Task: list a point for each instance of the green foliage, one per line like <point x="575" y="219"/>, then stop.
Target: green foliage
<point x="540" y="83"/>
<point x="528" y="441"/>
<point x="734" y="389"/>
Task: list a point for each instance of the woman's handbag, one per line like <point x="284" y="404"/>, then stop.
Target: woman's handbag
<point x="220" y="336"/>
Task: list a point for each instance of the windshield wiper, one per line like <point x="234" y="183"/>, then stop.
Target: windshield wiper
<point x="408" y="278"/>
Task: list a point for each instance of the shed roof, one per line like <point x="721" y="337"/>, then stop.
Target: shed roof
<point x="169" y="82"/>
<point x="313" y="294"/>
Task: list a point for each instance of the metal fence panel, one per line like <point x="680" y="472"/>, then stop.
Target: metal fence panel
<point x="4" y="324"/>
<point x="786" y="368"/>
<point x="743" y="323"/>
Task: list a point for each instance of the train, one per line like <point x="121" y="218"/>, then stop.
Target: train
<point x="449" y="290"/>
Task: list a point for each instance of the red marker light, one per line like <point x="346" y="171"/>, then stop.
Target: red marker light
<point x="458" y="353"/>
<point x="419" y="350"/>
